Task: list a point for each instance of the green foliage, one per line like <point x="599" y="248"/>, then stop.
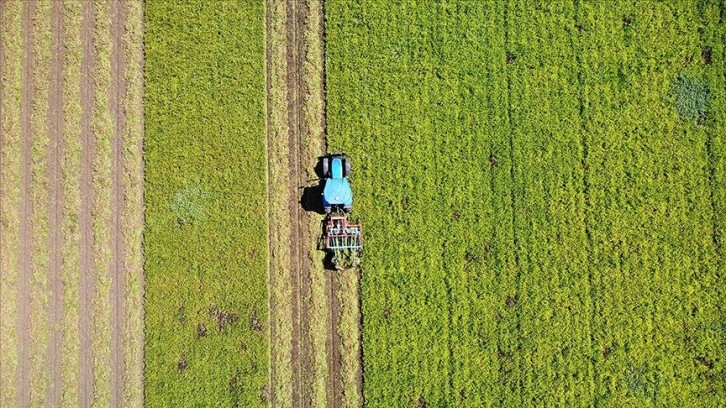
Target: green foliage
<point x="540" y="226"/>
<point x="205" y="246"/>
<point x="691" y="98"/>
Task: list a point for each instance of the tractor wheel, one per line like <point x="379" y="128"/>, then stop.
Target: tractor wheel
<point x="346" y="165"/>
<point x="325" y="167"/>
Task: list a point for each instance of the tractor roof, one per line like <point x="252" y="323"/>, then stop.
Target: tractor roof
<point x="337" y="191"/>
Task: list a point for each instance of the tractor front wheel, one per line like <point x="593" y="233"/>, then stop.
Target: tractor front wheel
<point x="346" y="164"/>
<point x="325" y="167"/>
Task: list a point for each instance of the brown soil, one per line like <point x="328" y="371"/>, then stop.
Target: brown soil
<point x="55" y="207"/>
<point x="118" y="277"/>
<point x="85" y="221"/>
<point x="26" y="211"/>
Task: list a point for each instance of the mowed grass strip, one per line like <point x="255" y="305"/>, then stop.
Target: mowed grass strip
<point x="278" y="153"/>
<point x="11" y="69"/>
<point x="132" y="211"/>
<point x="205" y="197"/>
<point x="39" y="286"/>
<point x="313" y="146"/>
<point x="71" y="170"/>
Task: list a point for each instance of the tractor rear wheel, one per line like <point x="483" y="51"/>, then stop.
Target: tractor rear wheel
<point x="325" y="167"/>
<point x="346" y="164"/>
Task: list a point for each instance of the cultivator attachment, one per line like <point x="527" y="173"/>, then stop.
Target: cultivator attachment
<point x="343" y="241"/>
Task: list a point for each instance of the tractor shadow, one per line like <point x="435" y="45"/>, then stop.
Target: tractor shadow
<point x="312" y="199"/>
<point x="312" y="196"/>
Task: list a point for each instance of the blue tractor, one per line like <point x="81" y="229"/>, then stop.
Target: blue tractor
<point x="336" y="192"/>
<point x="341" y="239"/>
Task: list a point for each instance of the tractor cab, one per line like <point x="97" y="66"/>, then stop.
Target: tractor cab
<point x="337" y="192"/>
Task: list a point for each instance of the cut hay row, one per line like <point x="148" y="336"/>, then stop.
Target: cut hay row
<point x="11" y="60"/>
<point x="71" y="170"/>
<point x="39" y="286"/>
<point x="313" y="146"/>
<point x="132" y="217"/>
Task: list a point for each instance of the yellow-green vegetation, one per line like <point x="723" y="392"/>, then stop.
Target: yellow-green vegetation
<point x="542" y="187"/>
<point x="133" y="207"/>
<point x="206" y="207"/>
<point x="39" y="289"/>
<point x="11" y="85"/>
<point x="102" y="128"/>
<point x="71" y="170"/>
<point x="280" y="302"/>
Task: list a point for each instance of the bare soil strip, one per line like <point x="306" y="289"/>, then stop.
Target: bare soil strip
<point x="25" y="249"/>
<point x="85" y="218"/>
<point x="118" y="277"/>
<point x="55" y="207"/>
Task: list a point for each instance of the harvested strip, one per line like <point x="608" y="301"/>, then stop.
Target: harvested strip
<point x="11" y="64"/>
<point x="116" y="271"/>
<point x="24" y="244"/>
<point x="280" y="301"/>
<point x="55" y="207"/>
<point x="71" y="170"/>
<point x="39" y="290"/>
<point x="102" y="126"/>
<point x="87" y="201"/>
<point x="133" y="212"/>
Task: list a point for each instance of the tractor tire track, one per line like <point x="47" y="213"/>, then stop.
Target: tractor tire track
<point x="117" y="272"/>
<point x="85" y="221"/>
<point x="26" y="211"/>
<point x="55" y="207"/>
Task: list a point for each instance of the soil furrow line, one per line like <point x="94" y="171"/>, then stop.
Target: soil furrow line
<point x="26" y="209"/>
<point x="118" y="312"/>
<point x="85" y="218"/>
<point x="55" y="206"/>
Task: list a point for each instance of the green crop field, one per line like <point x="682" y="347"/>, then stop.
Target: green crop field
<point x="206" y="204"/>
<point x="544" y="193"/>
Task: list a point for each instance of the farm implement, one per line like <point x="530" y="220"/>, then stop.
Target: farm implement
<point x="342" y="240"/>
